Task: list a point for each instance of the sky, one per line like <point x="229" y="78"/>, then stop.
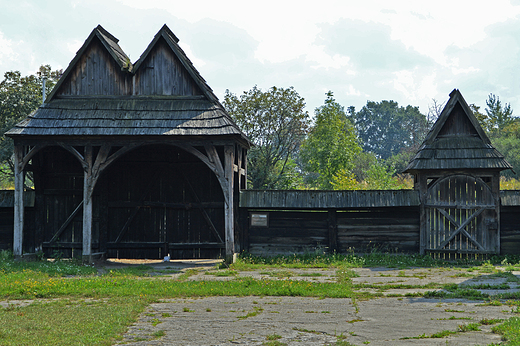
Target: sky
<point x="412" y="52"/>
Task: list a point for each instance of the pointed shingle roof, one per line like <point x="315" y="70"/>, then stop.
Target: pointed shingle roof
<point x="195" y="114"/>
<point x="457" y="141"/>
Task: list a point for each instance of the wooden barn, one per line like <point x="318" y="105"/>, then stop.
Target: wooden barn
<point x="457" y="174"/>
<point x="131" y="160"/>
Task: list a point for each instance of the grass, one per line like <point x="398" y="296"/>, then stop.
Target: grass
<point x="94" y="322"/>
<point x="509" y="331"/>
<point x="71" y="295"/>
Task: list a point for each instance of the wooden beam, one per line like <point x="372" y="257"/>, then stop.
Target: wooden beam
<point x="87" y="206"/>
<point x="333" y="230"/>
<point x="66" y="223"/>
<point x="460" y="229"/>
<point x="18" y="201"/>
<point x="229" y="158"/>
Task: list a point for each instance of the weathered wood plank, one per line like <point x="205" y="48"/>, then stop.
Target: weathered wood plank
<point x="306" y="199"/>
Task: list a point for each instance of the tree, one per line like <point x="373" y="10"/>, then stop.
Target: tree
<point x="19" y="96"/>
<point x="276" y="122"/>
<point x="498" y="116"/>
<point x="385" y="129"/>
<point x="331" y="145"/>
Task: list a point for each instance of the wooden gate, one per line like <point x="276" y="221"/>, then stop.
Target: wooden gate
<point x="461" y="216"/>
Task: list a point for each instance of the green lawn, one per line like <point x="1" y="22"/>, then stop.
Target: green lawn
<point x="93" y="309"/>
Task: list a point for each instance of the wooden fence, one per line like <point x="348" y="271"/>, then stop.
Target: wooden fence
<point x="284" y="222"/>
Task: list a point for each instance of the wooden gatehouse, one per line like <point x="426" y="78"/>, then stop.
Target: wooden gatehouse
<point x="457" y="174"/>
<point x="134" y="160"/>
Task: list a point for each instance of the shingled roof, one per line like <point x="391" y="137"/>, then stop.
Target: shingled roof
<point x="457" y="141"/>
<point x="102" y="93"/>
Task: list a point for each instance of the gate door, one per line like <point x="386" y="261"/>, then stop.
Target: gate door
<point x="461" y="216"/>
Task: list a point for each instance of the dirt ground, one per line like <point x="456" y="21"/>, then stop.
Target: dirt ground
<point x="313" y="321"/>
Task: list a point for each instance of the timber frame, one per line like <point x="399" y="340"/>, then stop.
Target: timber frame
<point x="104" y="108"/>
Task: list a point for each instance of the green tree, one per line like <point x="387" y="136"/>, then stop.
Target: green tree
<point x="508" y="143"/>
<point x="331" y="145"/>
<point x="19" y="96"/>
<point x="498" y="116"/>
<point x="276" y="122"/>
<point x="385" y="129"/>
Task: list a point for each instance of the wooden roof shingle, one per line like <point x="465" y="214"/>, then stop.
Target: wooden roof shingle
<point x="457" y="141"/>
<point x="70" y="111"/>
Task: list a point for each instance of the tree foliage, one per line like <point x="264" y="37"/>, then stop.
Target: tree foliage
<point x="331" y="145"/>
<point x="276" y="122"/>
<point x="385" y="129"/>
<point x="498" y="116"/>
<point x="19" y="96"/>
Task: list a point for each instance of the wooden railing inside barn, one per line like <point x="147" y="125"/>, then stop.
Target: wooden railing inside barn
<point x="285" y="222"/>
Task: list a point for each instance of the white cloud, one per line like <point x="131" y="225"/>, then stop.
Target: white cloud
<point x="74" y="45"/>
<point x="198" y="63"/>
<point x="7" y="52"/>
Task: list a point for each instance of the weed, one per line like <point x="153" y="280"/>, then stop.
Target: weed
<point x="472" y="327"/>
<point x="158" y="334"/>
<point x="303" y="330"/>
<point x="274" y="343"/>
<point x="454" y="318"/>
<point x="223" y="273"/>
<point x="509" y="330"/>
<point x="488" y="322"/>
<point x="155" y="322"/>
<point x="273" y="337"/>
<point x="310" y="274"/>
<point x="256" y="311"/>
<point x="491" y="303"/>
<point x="165" y="315"/>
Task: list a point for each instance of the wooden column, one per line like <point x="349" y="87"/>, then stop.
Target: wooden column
<point x="18" y="201"/>
<point x="229" y="160"/>
<point x="333" y="230"/>
<point x="87" y="206"/>
<point x="423" y="190"/>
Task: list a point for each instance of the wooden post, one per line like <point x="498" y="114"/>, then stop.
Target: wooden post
<point x="18" y="201"/>
<point x="229" y="159"/>
<point x="333" y="230"/>
<point x="496" y="194"/>
<point x="87" y="207"/>
<point x="423" y="190"/>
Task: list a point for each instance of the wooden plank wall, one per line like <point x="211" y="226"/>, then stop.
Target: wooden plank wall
<point x="165" y="197"/>
<point x="290" y="232"/>
<point x="509" y="230"/>
<point x="97" y="74"/>
<point x="394" y="229"/>
<point x="163" y="74"/>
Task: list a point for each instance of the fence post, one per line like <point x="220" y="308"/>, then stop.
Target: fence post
<point x="333" y="230"/>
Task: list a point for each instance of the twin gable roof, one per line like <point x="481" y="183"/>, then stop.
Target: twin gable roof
<point x="457" y="141"/>
<point x="102" y="93"/>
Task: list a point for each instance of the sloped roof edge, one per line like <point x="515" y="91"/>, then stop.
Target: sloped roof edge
<point x="109" y="41"/>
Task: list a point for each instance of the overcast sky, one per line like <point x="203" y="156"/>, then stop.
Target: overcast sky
<point x="407" y="51"/>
